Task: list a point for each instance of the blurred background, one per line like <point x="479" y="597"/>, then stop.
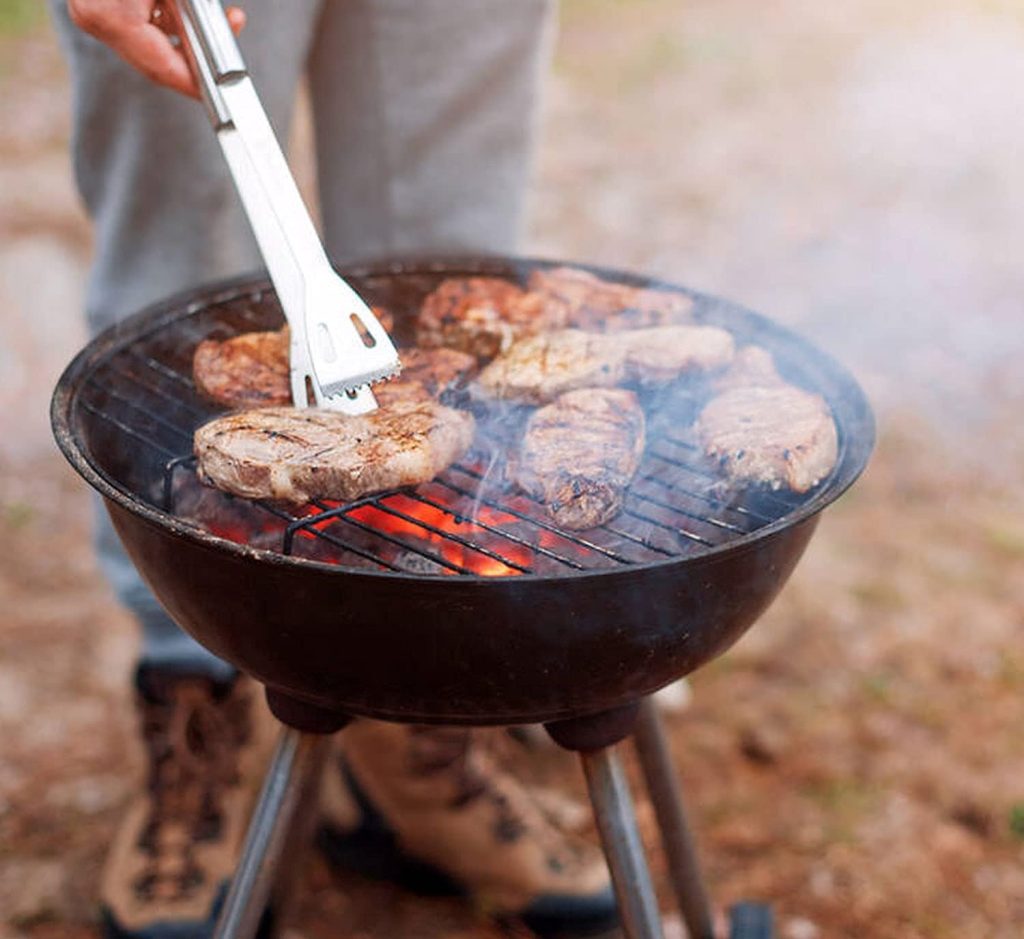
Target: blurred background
<point x="854" y="170"/>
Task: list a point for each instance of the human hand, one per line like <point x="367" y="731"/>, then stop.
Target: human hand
<point x="135" y="30"/>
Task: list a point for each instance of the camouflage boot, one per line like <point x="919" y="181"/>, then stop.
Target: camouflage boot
<point x="430" y="808"/>
<point x="169" y="866"/>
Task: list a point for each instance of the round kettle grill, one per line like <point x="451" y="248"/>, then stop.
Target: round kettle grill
<point x="455" y="601"/>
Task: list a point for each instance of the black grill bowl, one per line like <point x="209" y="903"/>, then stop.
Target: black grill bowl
<point x="428" y="648"/>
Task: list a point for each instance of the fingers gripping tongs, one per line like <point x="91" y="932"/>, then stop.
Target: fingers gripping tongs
<point x="337" y="345"/>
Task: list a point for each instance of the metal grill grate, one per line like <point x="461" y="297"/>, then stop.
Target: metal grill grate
<point x="143" y="402"/>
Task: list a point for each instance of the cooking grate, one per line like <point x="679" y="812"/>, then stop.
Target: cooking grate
<point x="145" y="408"/>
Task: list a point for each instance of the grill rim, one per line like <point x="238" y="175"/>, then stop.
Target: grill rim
<point x="856" y="427"/>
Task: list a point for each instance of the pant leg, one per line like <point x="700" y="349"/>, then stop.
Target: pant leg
<point x="425" y="114"/>
<point x="166" y="218"/>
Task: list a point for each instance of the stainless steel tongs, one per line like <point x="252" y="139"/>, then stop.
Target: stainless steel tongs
<point x="338" y="347"/>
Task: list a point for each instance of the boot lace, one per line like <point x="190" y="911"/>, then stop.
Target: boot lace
<point x="192" y="742"/>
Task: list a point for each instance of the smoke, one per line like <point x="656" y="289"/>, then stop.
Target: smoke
<point x="858" y="177"/>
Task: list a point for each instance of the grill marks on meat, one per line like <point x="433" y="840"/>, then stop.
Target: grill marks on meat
<point x="538" y="369"/>
<point x="590" y="303"/>
<point x="252" y="370"/>
<point x="774" y="435"/>
<point x="302" y="454"/>
<point x="427" y="374"/>
<point x="482" y="316"/>
<point x="579" y="454"/>
<point x="663" y="353"/>
<point x="752" y="366"/>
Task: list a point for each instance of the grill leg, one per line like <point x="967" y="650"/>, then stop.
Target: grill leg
<point x="677" y="842"/>
<point x="593" y="738"/>
<point x="616" y="822"/>
<point x="297" y="762"/>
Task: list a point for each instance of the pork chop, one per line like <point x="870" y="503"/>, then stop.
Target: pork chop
<point x="252" y="370"/>
<point x="751" y="366"/>
<point x="482" y="316"/>
<point x="778" y="436"/>
<point x="302" y="454"/>
<point x="589" y="302"/>
<point x="427" y="374"/>
<point x="579" y="454"/>
<point x="246" y="371"/>
<point x="662" y="353"/>
<point x="538" y="369"/>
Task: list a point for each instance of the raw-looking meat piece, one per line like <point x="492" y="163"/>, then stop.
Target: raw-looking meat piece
<point x="579" y="454"/>
<point x="480" y="315"/>
<point x="302" y="454"/>
<point x="538" y="369"/>
<point x="588" y="302"/>
<point x="772" y="435"/>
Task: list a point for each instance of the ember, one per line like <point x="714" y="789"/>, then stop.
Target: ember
<point x="459" y="541"/>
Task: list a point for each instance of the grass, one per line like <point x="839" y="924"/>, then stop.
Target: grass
<point x="1016" y="821"/>
<point x="17" y="515"/>
<point x="20" y="16"/>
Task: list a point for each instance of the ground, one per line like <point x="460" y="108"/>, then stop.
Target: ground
<point x="853" y="170"/>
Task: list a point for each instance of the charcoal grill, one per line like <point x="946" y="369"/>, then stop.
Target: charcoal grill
<point x="457" y="601"/>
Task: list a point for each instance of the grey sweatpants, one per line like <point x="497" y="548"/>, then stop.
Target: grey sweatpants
<point x="424" y="115"/>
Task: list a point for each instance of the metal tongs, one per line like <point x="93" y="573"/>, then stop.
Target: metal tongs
<point x="338" y="347"/>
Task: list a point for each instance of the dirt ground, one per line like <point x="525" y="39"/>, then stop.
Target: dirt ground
<point x="854" y="170"/>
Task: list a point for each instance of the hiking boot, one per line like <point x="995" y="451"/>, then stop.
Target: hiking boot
<point x="168" y="870"/>
<point x="430" y="808"/>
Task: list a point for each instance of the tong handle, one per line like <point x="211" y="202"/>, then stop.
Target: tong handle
<point x="210" y="47"/>
<point x="287" y="237"/>
<point x="328" y="353"/>
<point x="216" y="38"/>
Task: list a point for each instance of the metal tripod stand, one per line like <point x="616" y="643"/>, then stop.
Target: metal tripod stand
<point x="298" y="760"/>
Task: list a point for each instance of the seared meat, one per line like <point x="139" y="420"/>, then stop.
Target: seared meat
<point x="302" y="454"/>
<point x="751" y="366"/>
<point x="426" y="374"/>
<point x="579" y="454"/>
<point x="538" y="369"/>
<point x="773" y="435"/>
<point x="484" y="316"/>
<point x="663" y="353"/>
<point x="252" y="370"/>
<point x="588" y="302"/>
<point x="480" y="315"/>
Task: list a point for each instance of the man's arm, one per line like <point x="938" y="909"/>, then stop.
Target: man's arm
<point x="133" y="29"/>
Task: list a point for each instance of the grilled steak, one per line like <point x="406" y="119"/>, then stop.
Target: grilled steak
<point x="426" y="374"/>
<point x="252" y="370"/>
<point x="538" y="369"/>
<point x="588" y="302"/>
<point x="579" y="454"/>
<point x="480" y="315"/>
<point x="484" y="316"/>
<point x="302" y="454"/>
<point x="663" y="353"/>
<point x="752" y="366"/>
<point x="773" y="435"/>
